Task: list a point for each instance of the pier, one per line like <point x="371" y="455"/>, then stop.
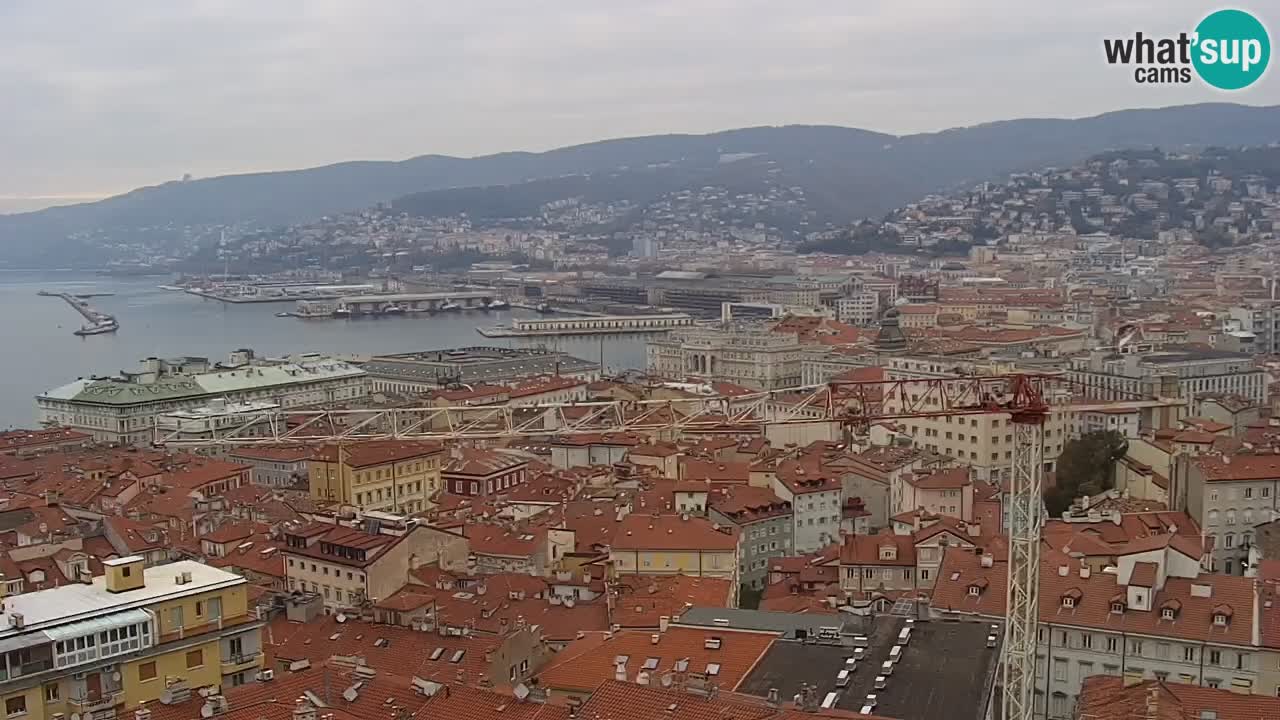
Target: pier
<point x="99" y="322"/>
<point x="599" y="325"/>
<point x="372" y="304"/>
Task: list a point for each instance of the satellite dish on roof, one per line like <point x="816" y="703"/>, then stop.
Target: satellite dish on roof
<point x="520" y="691"/>
<point x="666" y="679"/>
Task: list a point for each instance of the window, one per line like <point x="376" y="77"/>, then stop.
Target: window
<point x="1220" y="620"/>
<point x="51" y="692"/>
<point x="1135" y="647"/>
<point x="1189" y="654"/>
<point x="195" y="659"/>
<point x="1086" y="641"/>
<point x="1248" y="493"/>
<point x="1266" y="492"/>
<point x="1112" y="644"/>
<point x="1068" y="602"/>
<point x="199" y="608"/>
<point x="146" y="671"/>
<point x="16" y="706"/>
<point x="1060" y="670"/>
<point x="126" y="571"/>
<point x="1117" y="607"/>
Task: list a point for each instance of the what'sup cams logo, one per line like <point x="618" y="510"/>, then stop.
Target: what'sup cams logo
<point x="1228" y="50"/>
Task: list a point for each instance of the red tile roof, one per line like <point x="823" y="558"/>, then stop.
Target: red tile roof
<point x="1238" y="467"/>
<point x="378" y="452"/>
<point x="1144" y="574"/>
<point x="587" y="663"/>
<point x="474" y="462"/>
<point x="403" y="651"/>
<point x="1194" y="621"/>
<point x="884" y="549"/>
<point x="939" y="479"/>
<point x="643" y="600"/>
<point x="747" y="503"/>
<point x="672" y="532"/>
<point x="714" y="471"/>
<point x="17" y="440"/>
<point x="1105" y="697"/>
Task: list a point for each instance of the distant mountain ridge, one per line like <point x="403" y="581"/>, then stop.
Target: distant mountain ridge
<point x="847" y="172"/>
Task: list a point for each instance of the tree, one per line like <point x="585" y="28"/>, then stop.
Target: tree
<point x="1085" y="467"/>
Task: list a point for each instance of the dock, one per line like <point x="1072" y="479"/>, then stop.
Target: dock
<point x="597" y="325"/>
<point x="93" y="317"/>
<point x="256" y="298"/>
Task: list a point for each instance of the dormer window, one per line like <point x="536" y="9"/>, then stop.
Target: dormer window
<point x="1068" y="602"/>
<point x="1221" y="615"/>
<point x="974" y="591"/>
<point x="1117" y="608"/>
<point x="1167" y="614"/>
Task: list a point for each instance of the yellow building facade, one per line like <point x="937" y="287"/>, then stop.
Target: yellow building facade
<point x="393" y="476"/>
<point x="128" y="637"/>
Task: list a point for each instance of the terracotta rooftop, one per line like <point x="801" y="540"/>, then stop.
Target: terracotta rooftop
<point x="748" y="503"/>
<point x="587" y="663"/>
<point x="884" y="549"/>
<point x="482" y="463"/>
<point x="940" y="479"/>
<point x="1238" y="467"/>
<point x="643" y="600"/>
<point x="673" y="532"/>
<point x="962" y="568"/>
<point x="1104" y="697"/>
<point x="378" y="452"/>
<point x="385" y="648"/>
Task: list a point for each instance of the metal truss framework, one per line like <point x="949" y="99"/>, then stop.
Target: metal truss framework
<point x="850" y="403"/>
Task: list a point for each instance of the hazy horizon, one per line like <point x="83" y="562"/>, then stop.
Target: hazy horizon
<point x="104" y="100"/>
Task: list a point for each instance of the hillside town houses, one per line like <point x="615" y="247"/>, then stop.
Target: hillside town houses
<point x="811" y="476"/>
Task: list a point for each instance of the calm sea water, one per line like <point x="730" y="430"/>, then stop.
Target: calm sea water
<point x="38" y="350"/>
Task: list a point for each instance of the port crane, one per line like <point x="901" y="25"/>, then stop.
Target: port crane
<point x="854" y="405"/>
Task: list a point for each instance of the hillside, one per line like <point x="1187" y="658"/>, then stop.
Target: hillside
<point x="845" y="173"/>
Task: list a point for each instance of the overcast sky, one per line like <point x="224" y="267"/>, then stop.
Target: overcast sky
<point x="100" y="96"/>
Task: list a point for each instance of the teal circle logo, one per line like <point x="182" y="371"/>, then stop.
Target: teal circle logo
<point x="1231" y="49"/>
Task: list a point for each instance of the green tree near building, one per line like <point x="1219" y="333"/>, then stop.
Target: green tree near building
<point x="1085" y="467"/>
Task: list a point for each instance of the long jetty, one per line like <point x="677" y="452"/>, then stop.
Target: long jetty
<point x="80" y="306"/>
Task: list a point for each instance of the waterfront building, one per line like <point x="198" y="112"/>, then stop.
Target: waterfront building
<point x="749" y="355"/>
<point x="124" y="408"/>
<point x="426" y="371"/>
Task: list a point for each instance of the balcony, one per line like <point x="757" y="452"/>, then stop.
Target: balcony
<point x="243" y="661"/>
<point x="95" y="703"/>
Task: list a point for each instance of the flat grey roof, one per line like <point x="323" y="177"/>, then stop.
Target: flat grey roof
<point x="1177" y="356"/>
<point x="786" y="623"/>
<point x="946" y="670"/>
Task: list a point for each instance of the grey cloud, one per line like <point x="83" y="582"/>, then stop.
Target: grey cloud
<point x="104" y="96"/>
